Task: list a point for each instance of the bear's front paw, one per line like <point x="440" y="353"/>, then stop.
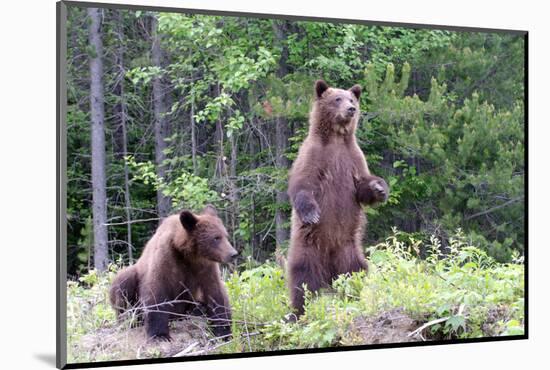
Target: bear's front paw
<point x="162" y="337"/>
<point x="222" y="331"/>
<point x="307" y="208"/>
<point x="372" y="190"/>
<point x="379" y="190"/>
<point x="311" y="216"/>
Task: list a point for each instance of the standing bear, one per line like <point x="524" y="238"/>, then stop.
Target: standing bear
<point x="328" y="183"/>
<point x="178" y="273"/>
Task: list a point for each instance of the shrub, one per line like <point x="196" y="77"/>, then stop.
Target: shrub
<point x="454" y="292"/>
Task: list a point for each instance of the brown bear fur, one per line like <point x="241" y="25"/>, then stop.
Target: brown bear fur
<point x="328" y="182"/>
<point x="180" y="264"/>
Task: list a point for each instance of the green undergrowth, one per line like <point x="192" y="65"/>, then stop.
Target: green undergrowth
<point x="453" y="292"/>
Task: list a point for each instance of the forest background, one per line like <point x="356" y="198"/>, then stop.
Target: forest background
<point x="169" y="111"/>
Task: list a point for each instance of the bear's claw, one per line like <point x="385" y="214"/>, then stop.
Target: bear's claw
<point x="162" y="337"/>
<point x="311" y="217"/>
<point x="307" y="208"/>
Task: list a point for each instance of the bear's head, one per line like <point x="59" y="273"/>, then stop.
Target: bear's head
<point x="206" y="235"/>
<point x="336" y="110"/>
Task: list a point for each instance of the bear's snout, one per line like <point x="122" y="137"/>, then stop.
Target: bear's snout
<point x="230" y="255"/>
<point x="234" y="255"/>
<point x="351" y="111"/>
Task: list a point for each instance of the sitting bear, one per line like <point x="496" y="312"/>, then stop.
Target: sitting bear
<point x="178" y="273"/>
<point x="328" y="183"/>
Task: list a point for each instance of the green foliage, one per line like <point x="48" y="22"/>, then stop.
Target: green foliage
<point x="443" y="123"/>
<point x="455" y="166"/>
<point x="256" y="293"/>
<point x="458" y="276"/>
<point x="88" y="308"/>
<point x="85" y="243"/>
<point x="186" y="190"/>
<point x="459" y="291"/>
<point x="143" y="74"/>
<point x="213" y="108"/>
<point x="236" y="70"/>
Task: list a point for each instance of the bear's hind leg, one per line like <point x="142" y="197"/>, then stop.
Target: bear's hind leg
<point x="304" y="269"/>
<point x="349" y="259"/>
<point x="123" y="294"/>
<point x="358" y="261"/>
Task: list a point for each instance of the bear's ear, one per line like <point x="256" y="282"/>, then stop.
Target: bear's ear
<point x="210" y="210"/>
<point x="188" y="220"/>
<point x="320" y="87"/>
<point x="356" y="90"/>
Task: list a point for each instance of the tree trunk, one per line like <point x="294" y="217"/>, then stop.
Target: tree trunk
<point x="161" y="124"/>
<point x="282" y="134"/>
<point x="121" y="111"/>
<point x="193" y="136"/>
<point x="218" y="136"/>
<point x="99" y="197"/>
<point x="233" y="189"/>
<point x="253" y="150"/>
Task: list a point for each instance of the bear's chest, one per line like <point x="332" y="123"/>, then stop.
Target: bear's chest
<point x="336" y="188"/>
<point x="337" y="170"/>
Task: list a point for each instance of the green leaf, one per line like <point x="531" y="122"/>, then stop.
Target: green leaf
<point x="456" y="322"/>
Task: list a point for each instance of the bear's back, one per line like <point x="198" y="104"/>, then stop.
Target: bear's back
<point x="159" y="249"/>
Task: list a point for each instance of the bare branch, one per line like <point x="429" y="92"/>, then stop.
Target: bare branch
<point x="511" y="201"/>
<point x="133" y="221"/>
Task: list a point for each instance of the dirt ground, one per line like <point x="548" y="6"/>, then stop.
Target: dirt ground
<point x="389" y="327"/>
<point x="189" y="338"/>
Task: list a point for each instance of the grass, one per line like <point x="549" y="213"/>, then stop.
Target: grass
<point x="460" y="294"/>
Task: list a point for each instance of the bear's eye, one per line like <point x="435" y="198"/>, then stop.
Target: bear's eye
<point x="338" y="100"/>
<point x="351" y="100"/>
<point x="217" y="238"/>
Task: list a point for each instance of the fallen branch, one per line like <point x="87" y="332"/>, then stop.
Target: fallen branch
<point x="187" y="350"/>
<point x="428" y="324"/>
<point x="202" y="351"/>
<point x="434" y="322"/>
